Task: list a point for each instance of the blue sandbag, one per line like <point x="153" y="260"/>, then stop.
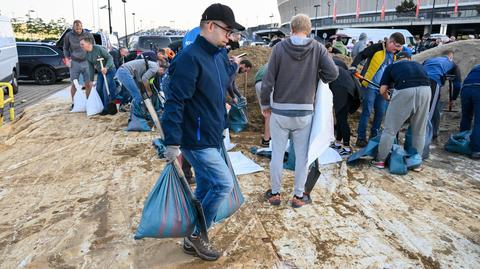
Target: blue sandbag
<point x="459" y="143"/>
<point x="137" y="124"/>
<point x="235" y="200"/>
<point x="169" y="210"/>
<point x="370" y="149"/>
<point x="238" y="115"/>
<point x="398" y="161"/>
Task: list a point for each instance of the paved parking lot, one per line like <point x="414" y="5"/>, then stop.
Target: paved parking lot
<point x="30" y="93"/>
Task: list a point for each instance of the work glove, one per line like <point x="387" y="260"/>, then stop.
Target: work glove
<point x="171" y="153"/>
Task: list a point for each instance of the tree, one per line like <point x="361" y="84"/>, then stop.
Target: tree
<point x="407" y="6"/>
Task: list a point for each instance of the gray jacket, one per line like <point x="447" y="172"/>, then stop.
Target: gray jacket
<point x="292" y="74"/>
<point x="360" y="45"/>
<point x="71" y="45"/>
<point x="139" y="70"/>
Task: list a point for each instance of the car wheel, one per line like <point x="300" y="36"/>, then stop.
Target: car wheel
<point x="44" y="75"/>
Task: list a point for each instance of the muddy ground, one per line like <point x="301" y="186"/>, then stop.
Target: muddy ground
<point x="72" y="190"/>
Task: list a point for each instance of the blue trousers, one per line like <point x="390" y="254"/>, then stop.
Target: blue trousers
<point x="102" y="90"/>
<point x="372" y="102"/>
<point x="471" y="112"/>
<point x="214" y="179"/>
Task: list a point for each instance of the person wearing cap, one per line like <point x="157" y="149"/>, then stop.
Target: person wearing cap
<point x="409" y="100"/>
<point x="294" y="69"/>
<point x="195" y="116"/>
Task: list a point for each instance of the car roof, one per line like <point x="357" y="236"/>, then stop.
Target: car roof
<point x="35" y="44"/>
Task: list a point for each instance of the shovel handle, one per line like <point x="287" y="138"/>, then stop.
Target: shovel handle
<point x="360" y="77"/>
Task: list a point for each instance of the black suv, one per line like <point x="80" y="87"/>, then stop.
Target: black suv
<point x="41" y="62"/>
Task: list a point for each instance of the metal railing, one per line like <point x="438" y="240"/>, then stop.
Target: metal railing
<point x="9" y="100"/>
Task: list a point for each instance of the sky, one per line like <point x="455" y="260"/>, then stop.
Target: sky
<point x="180" y="14"/>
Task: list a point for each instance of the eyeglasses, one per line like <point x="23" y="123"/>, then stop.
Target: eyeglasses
<point x="397" y="46"/>
<point x="228" y="32"/>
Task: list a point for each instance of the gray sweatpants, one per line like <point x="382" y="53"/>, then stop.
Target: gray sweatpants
<point x="281" y="127"/>
<point x="410" y="103"/>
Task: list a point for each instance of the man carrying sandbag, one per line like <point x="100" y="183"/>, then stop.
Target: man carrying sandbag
<point x="195" y="115"/>
<point x="410" y="99"/>
<point x="99" y="59"/>
<point x="294" y="68"/>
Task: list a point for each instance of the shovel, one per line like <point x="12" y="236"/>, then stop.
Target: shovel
<point x="111" y="106"/>
<point x="149" y="105"/>
<point x="360" y="77"/>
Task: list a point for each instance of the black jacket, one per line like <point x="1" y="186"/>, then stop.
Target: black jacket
<point x="344" y="88"/>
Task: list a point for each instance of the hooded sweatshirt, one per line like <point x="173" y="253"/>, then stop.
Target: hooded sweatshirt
<point x="360" y="45"/>
<point x="292" y="74"/>
<point x="71" y="45"/>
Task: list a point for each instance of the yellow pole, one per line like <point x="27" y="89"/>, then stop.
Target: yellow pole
<point x="9" y="100"/>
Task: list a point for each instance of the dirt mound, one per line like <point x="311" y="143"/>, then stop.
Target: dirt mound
<point x="466" y="54"/>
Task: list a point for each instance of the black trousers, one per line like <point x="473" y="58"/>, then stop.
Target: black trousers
<point x="343" y="129"/>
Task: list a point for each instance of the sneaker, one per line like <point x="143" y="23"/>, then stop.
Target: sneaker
<point x="377" y="164"/>
<point x="71" y="107"/>
<point x="335" y="147"/>
<point x="306" y="199"/>
<point x="361" y="143"/>
<point x="266" y="143"/>
<point x="344" y="152"/>
<point x="188" y="249"/>
<point x="273" y="199"/>
<point x="418" y="169"/>
<point x="203" y="249"/>
<point x="297" y="202"/>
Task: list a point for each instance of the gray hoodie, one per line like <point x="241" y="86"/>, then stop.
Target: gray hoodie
<point x="138" y="69"/>
<point x="292" y="74"/>
<point x="71" y="45"/>
<point x="360" y="45"/>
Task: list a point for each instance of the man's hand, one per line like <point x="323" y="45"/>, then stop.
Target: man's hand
<point x="68" y="62"/>
<point x="171" y="153"/>
<point x="384" y="92"/>
<point x="104" y="71"/>
<point x="267" y="112"/>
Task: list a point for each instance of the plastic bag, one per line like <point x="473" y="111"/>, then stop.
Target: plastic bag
<point x="137" y="124"/>
<point x="398" y="161"/>
<point x="459" y="143"/>
<point x="79" y="101"/>
<point x="235" y="200"/>
<point x="94" y="103"/>
<point x="169" y="210"/>
<point x="370" y="149"/>
<point x="238" y="115"/>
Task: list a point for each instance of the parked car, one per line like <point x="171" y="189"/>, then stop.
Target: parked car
<point x="41" y="62"/>
<point x="151" y="42"/>
<point x="9" y="65"/>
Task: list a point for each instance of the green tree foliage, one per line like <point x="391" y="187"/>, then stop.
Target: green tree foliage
<point x="39" y="28"/>
<point x="406" y="6"/>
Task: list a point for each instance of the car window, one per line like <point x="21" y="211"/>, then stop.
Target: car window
<point x="24" y="50"/>
<point x="42" y="51"/>
<point x="153" y="43"/>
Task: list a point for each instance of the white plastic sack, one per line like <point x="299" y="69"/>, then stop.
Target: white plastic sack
<point x="321" y="134"/>
<point x="79" y="99"/>
<point x="94" y="103"/>
<point x="226" y="141"/>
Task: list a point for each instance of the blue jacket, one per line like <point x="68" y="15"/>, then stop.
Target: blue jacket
<point x="438" y="67"/>
<point x="473" y="78"/>
<point x="195" y="114"/>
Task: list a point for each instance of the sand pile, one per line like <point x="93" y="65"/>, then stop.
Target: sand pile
<point x="466" y="54"/>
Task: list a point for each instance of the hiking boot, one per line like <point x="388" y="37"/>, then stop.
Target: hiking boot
<point x="273" y="198"/>
<point x="203" y="249"/>
<point x="377" y="164"/>
<point x="188" y="249"/>
<point x="361" y="143"/>
<point x="344" y="152"/>
<point x="306" y="199"/>
<point x="266" y="143"/>
<point x="297" y="202"/>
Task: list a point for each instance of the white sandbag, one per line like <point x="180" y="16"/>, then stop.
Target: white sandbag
<point x="94" y="103"/>
<point x="226" y="141"/>
<point x="79" y="99"/>
<point x="321" y="134"/>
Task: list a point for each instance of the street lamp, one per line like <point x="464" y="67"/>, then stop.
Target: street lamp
<point x="316" y="18"/>
<point x="125" y="19"/>
<point x="134" y="29"/>
<point x="328" y="4"/>
<point x="271" y="21"/>
<point x="295" y="10"/>
<point x="109" y="17"/>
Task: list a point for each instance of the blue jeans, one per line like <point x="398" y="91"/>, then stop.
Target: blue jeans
<point x="471" y="111"/>
<point x="214" y="179"/>
<point x="102" y="90"/>
<point x="372" y="102"/>
<point x="129" y="83"/>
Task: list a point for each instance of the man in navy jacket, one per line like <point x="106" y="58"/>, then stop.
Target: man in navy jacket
<point x="471" y="109"/>
<point x="195" y="115"/>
